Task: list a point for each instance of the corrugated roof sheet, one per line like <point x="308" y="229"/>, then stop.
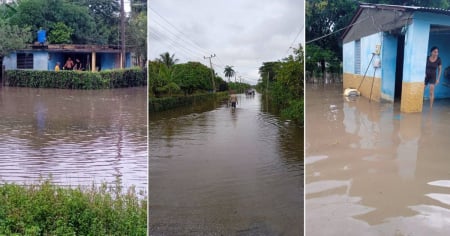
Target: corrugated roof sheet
<point x="393" y="8"/>
<point x="407" y="8"/>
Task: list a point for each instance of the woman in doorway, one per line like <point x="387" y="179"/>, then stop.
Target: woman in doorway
<point x="433" y="62"/>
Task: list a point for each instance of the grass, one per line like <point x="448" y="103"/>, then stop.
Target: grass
<point x="48" y="209"/>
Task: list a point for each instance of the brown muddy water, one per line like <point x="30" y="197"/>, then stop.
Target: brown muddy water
<point x="78" y="137"/>
<point x="371" y="170"/>
<point x="214" y="171"/>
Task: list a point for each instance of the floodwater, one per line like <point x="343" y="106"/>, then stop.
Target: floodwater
<point x="371" y="170"/>
<point x="214" y="171"/>
<point x="77" y="137"/>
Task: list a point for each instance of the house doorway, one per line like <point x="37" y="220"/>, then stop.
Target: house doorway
<point x="399" y="68"/>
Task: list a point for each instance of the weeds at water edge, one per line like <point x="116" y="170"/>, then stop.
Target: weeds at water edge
<point x="48" y="209"/>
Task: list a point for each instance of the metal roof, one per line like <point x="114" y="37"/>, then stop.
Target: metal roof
<point x="406" y="8"/>
<point x="394" y="8"/>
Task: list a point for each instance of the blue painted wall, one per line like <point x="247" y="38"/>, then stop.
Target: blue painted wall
<point x="43" y="60"/>
<point x="425" y="21"/>
<point x="442" y="90"/>
<point x="368" y="45"/>
<point x="10" y="62"/>
<point x="40" y="60"/>
<point x="388" y="67"/>
<point x="416" y="44"/>
<point x="348" y="56"/>
<point x="55" y="57"/>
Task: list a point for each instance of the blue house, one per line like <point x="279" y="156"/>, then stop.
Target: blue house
<point x="385" y="49"/>
<point x="44" y="57"/>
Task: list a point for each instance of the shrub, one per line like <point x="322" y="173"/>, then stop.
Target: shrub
<point x="46" y="209"/>
<point x="76" y="79"/>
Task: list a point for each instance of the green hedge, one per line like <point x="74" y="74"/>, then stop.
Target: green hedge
<point x="167" y="103"/>
<point x="76" y="79"/>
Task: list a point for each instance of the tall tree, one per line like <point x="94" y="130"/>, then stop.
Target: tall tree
<point x="106" y="15"/>
<point x="46" y="14"/>
<point x="229" y="72"/>
<point x="136" y="36"/>
<point x="167" y="59"/>
<point x="12" y="38"/>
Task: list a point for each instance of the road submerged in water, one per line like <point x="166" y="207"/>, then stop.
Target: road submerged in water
<point x="214" y="171"/>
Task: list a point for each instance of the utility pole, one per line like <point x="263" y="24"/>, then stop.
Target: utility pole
<point x="122" y="34"/>
<point x="212" y="73"/>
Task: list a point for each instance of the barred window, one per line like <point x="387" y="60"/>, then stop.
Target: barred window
<point x="24" y="60"/>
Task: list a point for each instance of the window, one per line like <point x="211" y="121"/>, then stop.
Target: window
<point x="358" y="57"/>
<point x="24" y="60"/>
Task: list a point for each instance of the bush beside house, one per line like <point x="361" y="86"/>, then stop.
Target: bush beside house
<point x="76" y="79"/>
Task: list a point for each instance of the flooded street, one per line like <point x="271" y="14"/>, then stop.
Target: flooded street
<point x="78" y="137"/>
<point x="214" y="171"/>
<point x="371" y="170"/>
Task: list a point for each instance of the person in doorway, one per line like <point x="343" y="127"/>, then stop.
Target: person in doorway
<point x="233" y="100"/>
<point x="77" y="65"/>
<point x="433" y="62"/>
<point x="69" y="64"/>
<point x="57" y="66"/>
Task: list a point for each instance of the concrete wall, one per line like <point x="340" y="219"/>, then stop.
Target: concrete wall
<point x="388" y="67"/>
<point x="40" y="60"/>
<point x="10" y="62"/>
<point x="370" y="84"/>
<point x="348" y="57"/>
<point x="53" y="58"/>
<point x="418" y="41"/>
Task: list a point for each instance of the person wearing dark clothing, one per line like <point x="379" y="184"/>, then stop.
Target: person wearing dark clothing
<point x="433" y="63"/>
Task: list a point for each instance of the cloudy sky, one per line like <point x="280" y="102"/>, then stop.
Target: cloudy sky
<point x="241" y="33"/>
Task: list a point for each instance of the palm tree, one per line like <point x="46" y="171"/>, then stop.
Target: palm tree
<point x="229" y="72"/>
<point x="167" y="59"/>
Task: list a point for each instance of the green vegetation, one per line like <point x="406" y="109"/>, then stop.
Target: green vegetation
<point x="78" y="22"/>
<point x="46" y="209"/>
<point x="167" y="103"/>
<point x="76" y="79"/>
<point x="165" y="78"/>
<point x="238" y="87"/>
<point x="282" y="82"/>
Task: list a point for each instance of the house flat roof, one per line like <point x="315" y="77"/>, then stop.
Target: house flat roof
<point x="74" y="48"/>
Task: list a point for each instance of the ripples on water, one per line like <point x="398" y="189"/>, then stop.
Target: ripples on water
<point x="218" y="171"/>
<point x="77" y="137"/>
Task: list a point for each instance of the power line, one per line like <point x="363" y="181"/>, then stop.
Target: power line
<point x="187" y="37"/>
<point x="301" y="29"/>
<point x="173" y="41"/>
<point x="334" y="32"/>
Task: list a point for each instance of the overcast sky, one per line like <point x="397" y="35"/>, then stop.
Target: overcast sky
<point x="241" y="33"/>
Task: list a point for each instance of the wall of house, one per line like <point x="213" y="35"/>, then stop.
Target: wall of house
<point x="416" y="51"/>
<point x="368" y="81"/>
<point x="348" y="57"/>
<point x="388" y="67"/>
<point x="441" y="41"/>
<point x="10" y="62"/>
<point x="53" y="58"/>
<point x="110" y="61"/>
<point x="40" y="60"/>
